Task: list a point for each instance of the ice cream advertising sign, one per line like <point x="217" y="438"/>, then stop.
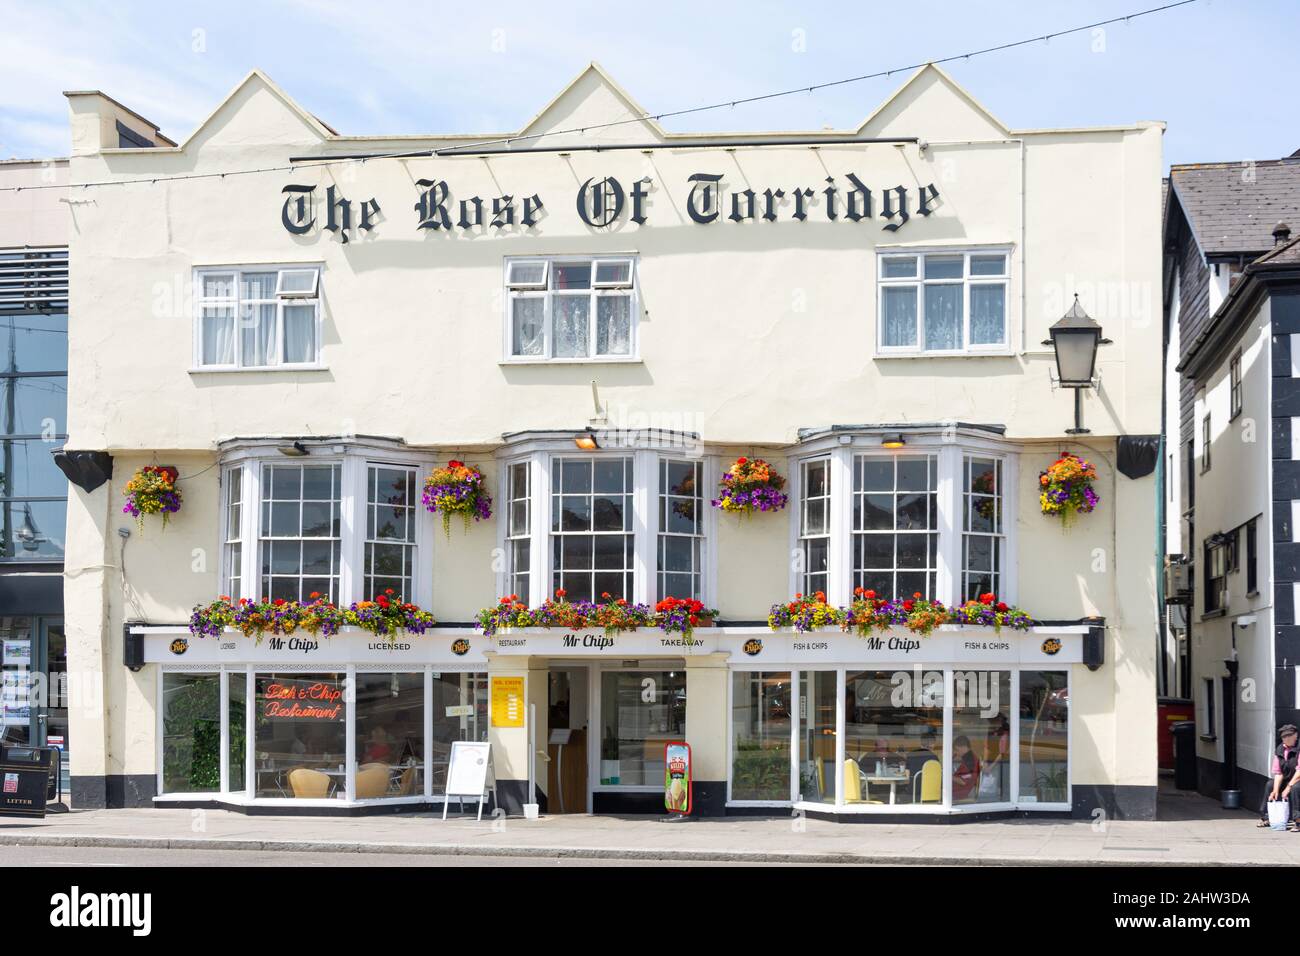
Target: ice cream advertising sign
<point x="677" y="778"/>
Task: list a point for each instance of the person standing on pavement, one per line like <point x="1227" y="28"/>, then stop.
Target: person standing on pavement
<point x="1285" y="772"/>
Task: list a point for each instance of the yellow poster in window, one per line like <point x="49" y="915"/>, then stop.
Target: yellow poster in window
<point x="507" y="701"/>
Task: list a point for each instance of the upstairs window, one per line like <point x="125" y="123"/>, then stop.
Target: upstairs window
<point x="815" y="524"/>
<point x="982" y="534"/>
<point x="571" y="308"/>
<point x="943" y="302"/>
<point x="263" y="317"/>
<point x="895" y="524"/>
<point x="1216" y="575"/>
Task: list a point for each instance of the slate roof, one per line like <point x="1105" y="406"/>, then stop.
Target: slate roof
<point x="1233" y="207"/>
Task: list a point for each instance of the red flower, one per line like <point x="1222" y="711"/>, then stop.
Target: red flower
<point x="505" y="600"/>
<point x="988" y="598"/>
<point x="798" y="597"/>
<point x="741" y="461"/>
<point x="453" y="463"/>
<point x="560" y="593"/>
<point x="1001" y="606"/>
<point x="621" y="602"/>
<point x="278" y="601"/>
<point x="869" y="595"/>
<point x="821" y="597"/>
<point x="225" y="597"/>
<point x="605" y="595"/>
<point x="908" y="605"/>
<point x="917" y="595"/>
<point x="388" y="591"/>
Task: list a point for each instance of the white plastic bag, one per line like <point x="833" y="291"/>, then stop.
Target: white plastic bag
<point x="1278" y="812"/>
<point x="990" y="788"/>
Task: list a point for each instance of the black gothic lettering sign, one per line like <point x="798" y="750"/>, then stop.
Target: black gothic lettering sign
<point x="606" y="203"/>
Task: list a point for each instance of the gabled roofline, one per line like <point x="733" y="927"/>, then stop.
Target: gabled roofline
<point x="593" y="67"/>
<point x="943" y="74"/>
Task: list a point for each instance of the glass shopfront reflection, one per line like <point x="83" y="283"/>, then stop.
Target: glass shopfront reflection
<point x="761" y="721"/>
<point x="301" y="735"/>
<point x="893" y="730"/>
<point x="1007" y="733"/>
<point x="390" y="735"/>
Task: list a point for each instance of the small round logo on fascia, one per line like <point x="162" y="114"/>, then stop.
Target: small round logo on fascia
<point x="460" y="647"/>
<point x="179" y="646"/>
<point x="1051" y="645"/>
<point x="752" y="646"/>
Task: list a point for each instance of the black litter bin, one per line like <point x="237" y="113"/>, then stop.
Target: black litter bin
<point x="1184" y="732"/>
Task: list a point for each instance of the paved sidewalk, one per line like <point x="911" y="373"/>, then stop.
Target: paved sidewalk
<point x="1194" y="831"/>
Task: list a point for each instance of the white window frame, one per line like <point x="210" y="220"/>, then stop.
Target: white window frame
<point x="629" y="289"/>
<point x="281" y="299"/>
<point x="932" y="467"/>
<point x="833" y="483"/>
<point x="841" y="449"/>
<point x="355" y="459"/>
<point x="541" y="455"/>
<point x="919" y="282"/>
<point x="1000" y="570"/>
<point x="411" y="546"/>
<point x="699" y="539"/>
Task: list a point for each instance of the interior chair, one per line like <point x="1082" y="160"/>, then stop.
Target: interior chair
<point x="406" y="783"/>
<point x="372" y="781"/>
<point x="855" y="783"/>
<point x="309" y="784"/>
<point x="929" y="782"/>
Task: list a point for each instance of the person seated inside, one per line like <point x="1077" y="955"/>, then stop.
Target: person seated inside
<point x="965" y="769"/>
<point x="379" y="748"/>
<point x="927" y="750"/>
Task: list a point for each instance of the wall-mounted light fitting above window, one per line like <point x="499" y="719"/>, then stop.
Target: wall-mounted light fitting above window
<point x="296" y="450"/>
<point x="586" y="441"/>
<point x="893" y="441"/>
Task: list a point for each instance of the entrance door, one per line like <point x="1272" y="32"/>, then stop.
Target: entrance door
<point x="19" y="661"/>
<point x="567" y="719"/>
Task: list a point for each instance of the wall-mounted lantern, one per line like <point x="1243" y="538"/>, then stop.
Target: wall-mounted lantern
<point x="1075" y="338"/>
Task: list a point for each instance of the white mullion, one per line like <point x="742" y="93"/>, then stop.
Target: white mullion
<point x="251" y="530"/>
<point x="948" y="582"/>
<point x="350" y="735"/>
<point x="428" y="730"/>
<point x="250" y="731"/>
<point x="840" y="697"/>
<point x="839" y="525"/>
<point x="796" y="553"/>
<point x="729" y="757"/>
<point x="160" y="695"/>
<point x="645" y="525"/>
<point x="539" y="551"/>
<point x="947" y="737"/>
<point x="223" y="722"/>
<point x="965" y="298"/>
<point x="1013" y="757"/>
<point x="353" y="500"/>
<point x="796" y="726"/>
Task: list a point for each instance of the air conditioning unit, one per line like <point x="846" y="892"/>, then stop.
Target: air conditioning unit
<point x="1178" y="578"/>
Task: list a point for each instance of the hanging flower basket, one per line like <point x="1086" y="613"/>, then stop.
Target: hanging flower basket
<point x="457" y="489"/>
<point x="1066" y="487"/>
<point x="751" y="485"/>
<point x="152" y="491"/>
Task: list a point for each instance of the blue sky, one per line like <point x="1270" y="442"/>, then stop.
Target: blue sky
<point x="374" y="67"/>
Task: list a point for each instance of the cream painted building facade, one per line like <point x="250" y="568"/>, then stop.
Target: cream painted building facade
<point x="304" y="323"/>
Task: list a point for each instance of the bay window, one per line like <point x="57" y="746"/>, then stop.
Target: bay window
<point x="571" y="307"/>
<point x="630" y="520"/>
<point x="949" y="301"/>
<point x="256" y="317"/>
<point x="343" y="521"/>
<point x="926" y="516"/>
